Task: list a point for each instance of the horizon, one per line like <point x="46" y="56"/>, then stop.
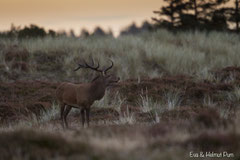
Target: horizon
<point x="77" y="14"/>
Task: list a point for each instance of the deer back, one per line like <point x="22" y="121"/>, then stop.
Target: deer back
<point x="72" y="94"/>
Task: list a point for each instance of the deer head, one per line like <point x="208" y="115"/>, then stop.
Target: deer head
<point x="103" y="78"/>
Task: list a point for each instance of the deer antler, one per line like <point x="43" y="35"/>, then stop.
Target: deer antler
<point x="105" y="70"/>
<point x="85" y="65"/>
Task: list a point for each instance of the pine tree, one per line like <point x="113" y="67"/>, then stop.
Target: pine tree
<point x="172" y="12"/>
<point x="206" y="11"/>
<point x="192" y="14"/>
<point x="235" y="15"/>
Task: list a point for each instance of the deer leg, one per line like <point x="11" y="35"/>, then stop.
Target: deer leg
<point x="67" y="110"/>
<point x="83" y="116"/>
<point x="87" y="115"/>
<point x="61" y="113"/>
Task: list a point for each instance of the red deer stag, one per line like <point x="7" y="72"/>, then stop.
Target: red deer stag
<point x="83" y="95"/>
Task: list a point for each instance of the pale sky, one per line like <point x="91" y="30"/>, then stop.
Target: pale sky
<point x="76" y="14"/>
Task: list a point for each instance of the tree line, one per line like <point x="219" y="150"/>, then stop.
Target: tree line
<point x="218" y="15"/>
<point x="35" y="31"/>
<point x="174" y="15"/>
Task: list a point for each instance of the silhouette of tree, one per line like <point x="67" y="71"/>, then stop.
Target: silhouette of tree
<point x="110" y="32"/>
<point x="133" y="29"/>
<point x="234" y="15"/>
<point x="237" y="14"/>
<point x="98" y="31"/>
<point x="209" y="13"/>
<point x="52" y="33"/>
<point x="218" y="20"/>
<point x="172" y="12"/>
<point x="192" y="14"/>
<point x="62" y="33"/>
<point x="146" y="26"/>
<point x="72" y="33"/>
<point x="31" y="31"/>
<point x="13" y="31"/>
<point x="84" y="33"/>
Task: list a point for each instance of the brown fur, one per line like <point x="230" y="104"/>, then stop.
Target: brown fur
<point x="82" y="96"/>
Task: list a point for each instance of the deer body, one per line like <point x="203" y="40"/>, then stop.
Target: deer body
<point x="82" y="95"/>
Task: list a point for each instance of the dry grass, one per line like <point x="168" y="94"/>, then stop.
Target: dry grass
<point x="147" y="54"/>
<point x="175" y="93"/>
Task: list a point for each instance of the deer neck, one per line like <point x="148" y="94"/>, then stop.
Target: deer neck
<point x="97" y="90"/>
